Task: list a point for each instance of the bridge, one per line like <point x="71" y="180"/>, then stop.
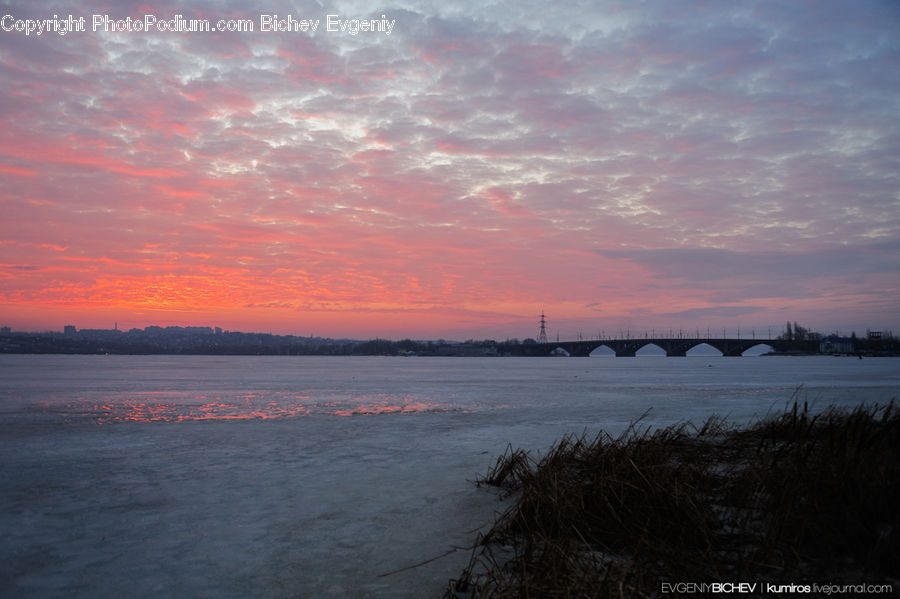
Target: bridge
<point x="673" y="346"/>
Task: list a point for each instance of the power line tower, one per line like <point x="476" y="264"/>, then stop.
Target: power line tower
<point x="542" y="336"/>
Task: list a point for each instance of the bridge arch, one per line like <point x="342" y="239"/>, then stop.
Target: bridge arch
<point x="704" y="350"/>
<point x="758" y="350"/>
<point x="650" y="349"/>
<point x="602" y="351"/>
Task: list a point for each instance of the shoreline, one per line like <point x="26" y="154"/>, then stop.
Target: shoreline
<point x="792" y="498"/>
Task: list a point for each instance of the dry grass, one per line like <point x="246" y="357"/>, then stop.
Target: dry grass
<point x="792" y="498"/>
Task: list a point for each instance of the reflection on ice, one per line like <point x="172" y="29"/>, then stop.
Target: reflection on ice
<point x="169" y="407"/>
<point x="391" y="405"/>
<point x="133" y="411"/>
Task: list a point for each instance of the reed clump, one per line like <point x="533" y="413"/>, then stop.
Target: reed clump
<point x="793" y="497"/>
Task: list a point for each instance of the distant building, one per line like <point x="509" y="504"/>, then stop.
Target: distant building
<point x="466" y="349"/>
<point x="5" y="331"/>
<point x="99" y="334"/>
<point x="69" y="330"/>
<point x="836" y="345"/>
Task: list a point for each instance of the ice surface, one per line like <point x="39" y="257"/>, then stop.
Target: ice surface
<point x="312" y="477"/>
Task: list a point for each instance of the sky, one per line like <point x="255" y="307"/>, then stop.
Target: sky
<point x="620" y="166"/>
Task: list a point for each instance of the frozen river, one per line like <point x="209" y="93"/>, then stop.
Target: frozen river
<point x="173" y="476"/>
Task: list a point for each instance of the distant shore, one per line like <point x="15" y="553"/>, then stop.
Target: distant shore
<point x="216" y="342"/>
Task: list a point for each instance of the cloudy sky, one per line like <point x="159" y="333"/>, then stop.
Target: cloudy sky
<point x="619" y="165"/>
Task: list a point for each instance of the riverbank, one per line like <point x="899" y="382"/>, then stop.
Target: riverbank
<point x="791" y="499"/>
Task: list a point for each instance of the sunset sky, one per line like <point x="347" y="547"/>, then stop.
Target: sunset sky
<point x="618" y="165"/>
